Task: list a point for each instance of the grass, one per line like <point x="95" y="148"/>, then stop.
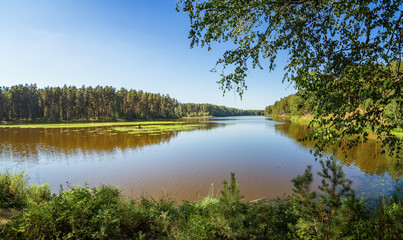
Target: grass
<point x="305" y="120"/>
<point x="302" y="120"/>
<point x="398" y="134"/>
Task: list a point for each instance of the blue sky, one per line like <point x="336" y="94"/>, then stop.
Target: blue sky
<point x="135" y="44"/>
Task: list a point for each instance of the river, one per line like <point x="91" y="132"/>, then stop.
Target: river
<point x="188" y="165"/>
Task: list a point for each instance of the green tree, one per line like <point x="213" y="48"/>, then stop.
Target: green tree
<point x="28" y="103"/>
<point x="33" y="102"/>
<point x="317" y="211"/>
<point x="394" y="112"/>
<point x="340" y="53"/>
<point x="4" y="104"/>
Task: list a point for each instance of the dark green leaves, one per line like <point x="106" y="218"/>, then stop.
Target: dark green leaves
<point x="341" y="53"/>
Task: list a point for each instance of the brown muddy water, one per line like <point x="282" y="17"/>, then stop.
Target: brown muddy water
<point x="189" y="165"/>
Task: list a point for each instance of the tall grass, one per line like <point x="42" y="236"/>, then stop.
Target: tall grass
<point x="13" y="190"/>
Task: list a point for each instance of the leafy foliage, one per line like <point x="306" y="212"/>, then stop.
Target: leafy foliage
<point x="12" y="190"/>
<point x="340" y="54"/>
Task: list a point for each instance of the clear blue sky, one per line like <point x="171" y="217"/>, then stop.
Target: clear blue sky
<point x="139" y="45"/>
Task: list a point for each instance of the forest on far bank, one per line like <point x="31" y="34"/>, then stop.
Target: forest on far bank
<point x="297" y="106"/>
<point x="69" y="103"/>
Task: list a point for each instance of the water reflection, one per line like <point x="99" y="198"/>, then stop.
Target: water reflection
<point x="264" y="155"/>
<point x="27" y="144"/>
<point x="366" y="156"/>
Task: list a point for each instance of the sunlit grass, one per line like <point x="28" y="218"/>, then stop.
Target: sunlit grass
<point x="398" y="134"/>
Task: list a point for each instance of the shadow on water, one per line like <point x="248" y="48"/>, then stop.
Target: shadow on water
<point x="366" y="156"/>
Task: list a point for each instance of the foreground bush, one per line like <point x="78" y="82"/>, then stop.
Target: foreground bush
<point x="102" y="213"/>
<point x="13" y="190"/>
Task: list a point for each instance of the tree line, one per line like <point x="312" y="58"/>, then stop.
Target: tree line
<point x="296" y="105"/>
<point x="69" y="103"/>
<point x="292" y="105"/>
<point x="205" y="109"/>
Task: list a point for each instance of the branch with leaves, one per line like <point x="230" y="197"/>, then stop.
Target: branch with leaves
<point x="341" y="53"/>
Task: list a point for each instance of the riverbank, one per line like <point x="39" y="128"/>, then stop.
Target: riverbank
<point x="128" y="127"/>
<point x="32" y="212"/>
<point x="86" y="125"/>
<point x="306" y="119"/>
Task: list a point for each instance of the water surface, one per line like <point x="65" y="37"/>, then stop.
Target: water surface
<point x="265" y="155"/>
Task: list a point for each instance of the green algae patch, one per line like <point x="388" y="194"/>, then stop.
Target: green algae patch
<point x="157" y="128"/>
<point x="109" y="128"/>
<point x="86" y="125"/>
<point x="201" y="117"/>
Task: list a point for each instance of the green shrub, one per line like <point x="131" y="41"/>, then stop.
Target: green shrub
<point x="79" y="213"/>
<point x="352" y="220"/>
<point x="269" y="220"/>
<point x="101" y="213"/>
<point x="198" y="220"/>
<point x="147" y="218"/>
<point x="387" y="219"/>
<point x="12" y="189"/>
<point x="38" y="193"/>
